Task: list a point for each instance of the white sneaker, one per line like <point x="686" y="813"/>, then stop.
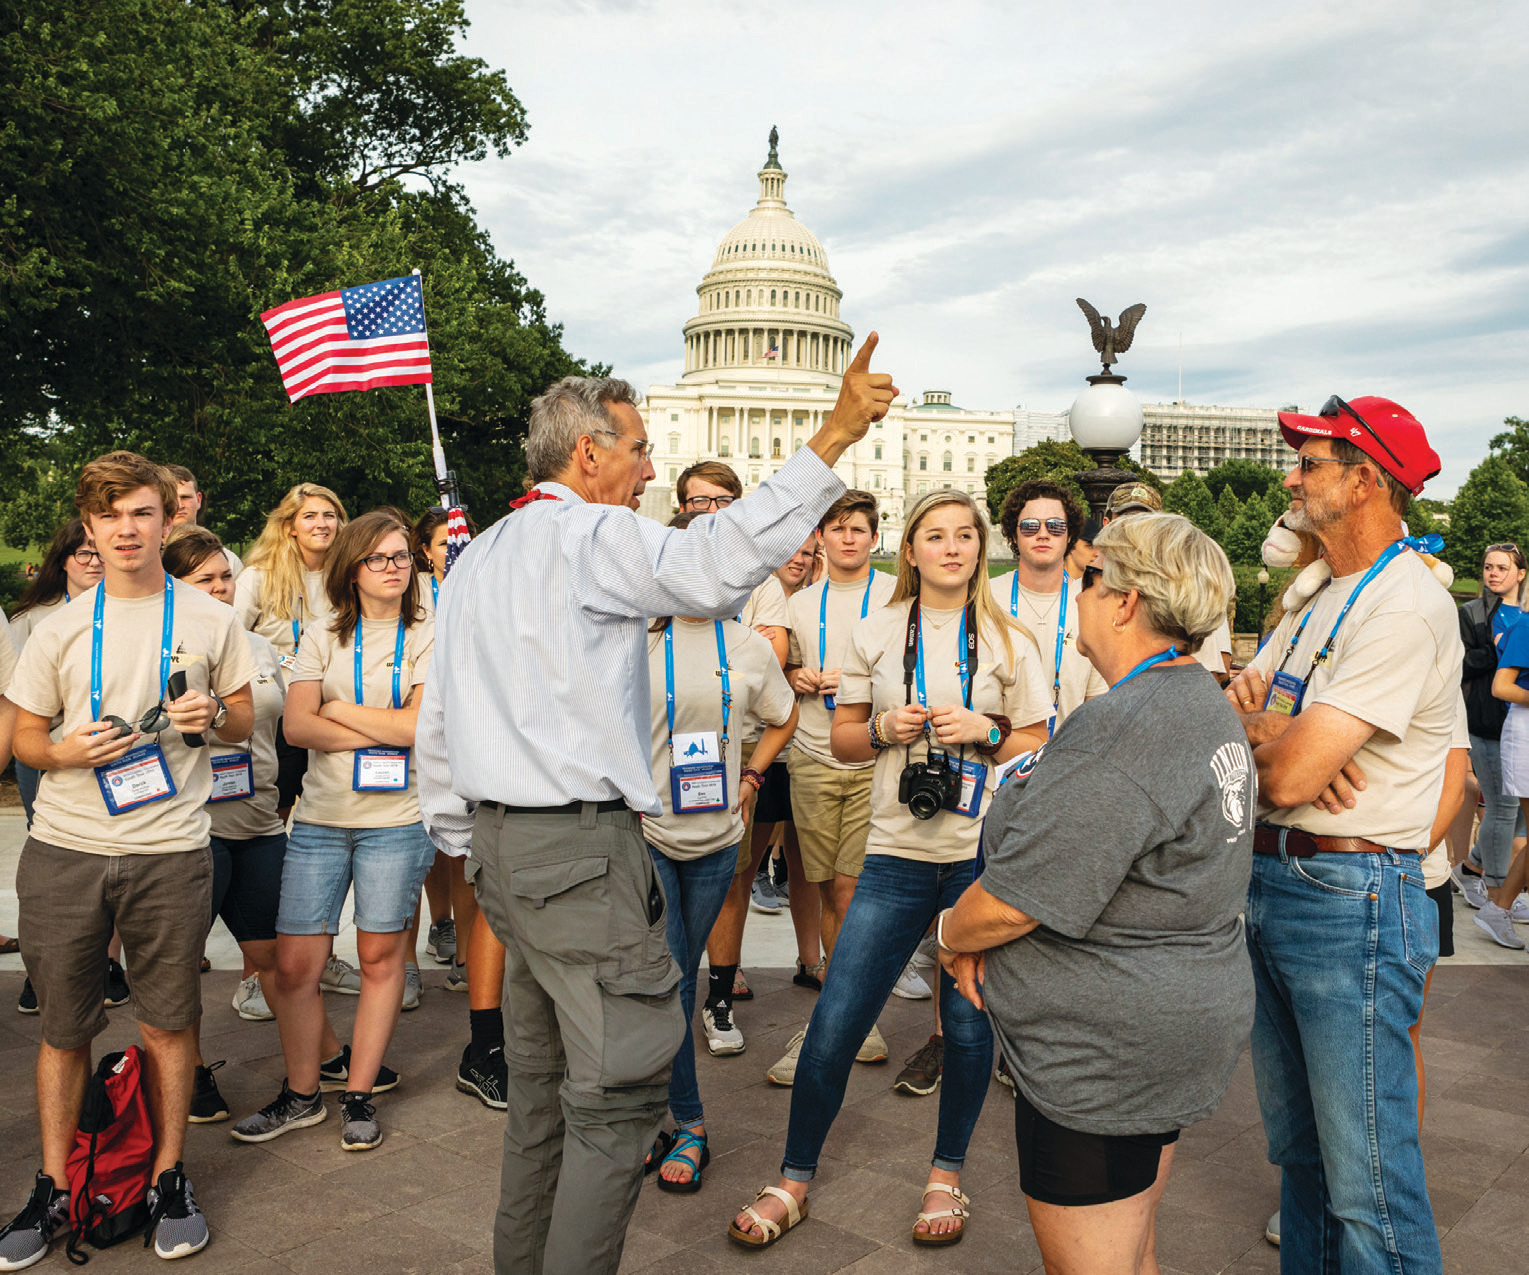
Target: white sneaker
<point x="722" y="1034"/>
<point x="1520" y="909"/>
<point x="874" y="1050"/>
<point x="911" y="986"/>
<point x="1495" y="921"/>
<point x="249" y="1000"/>
<point x="783" y="1073"/>
<point x="412" y="985"/>
<point x="1469" y="884"/>
<point x="1271" y="1229"/>
<point x="339" y="976"/>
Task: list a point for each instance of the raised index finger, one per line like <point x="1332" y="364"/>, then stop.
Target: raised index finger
<point x="862" y="360"/>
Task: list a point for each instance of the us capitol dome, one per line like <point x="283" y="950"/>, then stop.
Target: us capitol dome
<point x="763" y="358"/>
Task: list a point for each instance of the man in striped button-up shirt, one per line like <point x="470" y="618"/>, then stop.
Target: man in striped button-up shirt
<point x="533" y="741"/>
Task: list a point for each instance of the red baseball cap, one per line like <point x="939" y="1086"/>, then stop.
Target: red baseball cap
<point x="1384" y="431"/>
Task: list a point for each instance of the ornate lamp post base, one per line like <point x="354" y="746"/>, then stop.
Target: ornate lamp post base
<point x="1099" y="482"/>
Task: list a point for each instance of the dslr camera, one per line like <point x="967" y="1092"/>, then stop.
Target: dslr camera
<point x="930" y="786"/>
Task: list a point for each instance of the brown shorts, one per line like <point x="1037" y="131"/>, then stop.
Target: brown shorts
<point x="70" y="900"/>
<point x="832" y="813"/>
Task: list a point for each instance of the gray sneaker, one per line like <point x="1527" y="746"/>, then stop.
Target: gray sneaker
<point x="1496" y="922"/>
<point x="1469" y="884"/>
<point x="288" y="1112"/>
<point x="456" y="981"/>
<point x="175" y="1223"/>
<point x="340" y="976"/>
<point x="413" y="985"/>
<point x="249" y="1001"/>
<point x="442" y="942"/>
<point x="359" y="1130"/>
<point x="27" y="1237"/>
<point x="1271" y="1229"/>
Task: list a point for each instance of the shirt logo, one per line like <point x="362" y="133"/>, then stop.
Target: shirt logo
<point x="1233" y="766"/>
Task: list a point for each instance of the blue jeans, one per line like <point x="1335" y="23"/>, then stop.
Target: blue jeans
<point x="27" y="780"/>
<point x="1341" y="945"/>
<point x="1493" y="851"/>
<point x="895" y="901"/>
<point x="694" y="890"/>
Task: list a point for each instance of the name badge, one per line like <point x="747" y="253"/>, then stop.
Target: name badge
<point x="973" y="785"/>
<point x="695" y="790"/>
<point x="1285" y="693"/>
<point x="233" y="777"/>
<point x="380" y="770"/>
<point x="288" y="662"/>
<point x="137" y="778"/>
<point x="829" y="703"/>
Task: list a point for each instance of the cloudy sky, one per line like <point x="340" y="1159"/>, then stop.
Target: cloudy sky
<point x="1310" y="198"/>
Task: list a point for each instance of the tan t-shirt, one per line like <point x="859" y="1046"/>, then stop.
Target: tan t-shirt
<point x="22" y="626"/>
<point x="1212" y="649"/>
<point x="873" y="674"/>
<point x="53" y="677"/>
<point x="328" y="797"/>
<point x="428" y="589"/>
<point x="1038" y="613"/>
<point x="1396" y="665"/>
<point x="766" y="607"/>
<point x="760" y="693"/>
<point x="255" y="815"/>
<point x="256" y="615"/>
<point x="7" y="659"/>
<point x="844" y="606"/>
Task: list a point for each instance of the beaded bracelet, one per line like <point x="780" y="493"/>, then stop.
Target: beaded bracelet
<point x="749" y="775"/>
<point x="878" y="737"/>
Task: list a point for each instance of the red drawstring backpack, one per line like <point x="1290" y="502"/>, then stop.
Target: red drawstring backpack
<point x="112" y="1159"/>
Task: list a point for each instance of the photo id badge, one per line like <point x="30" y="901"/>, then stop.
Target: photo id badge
<point x="137" y="778"/>
<point x="381" y="770"/>
<point x="829" y="703"/>
<point x="973" y="784"/>
<point x="233" y="777"/>
<point x="695" y="790"/>
<point x="1285" y="693"/>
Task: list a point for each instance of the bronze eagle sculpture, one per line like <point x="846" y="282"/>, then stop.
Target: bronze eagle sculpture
<point x="1112" y="339"/>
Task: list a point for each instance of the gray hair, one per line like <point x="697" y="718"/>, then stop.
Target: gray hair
<point x="1181" y="576"/>
<point x="575" y="405"/>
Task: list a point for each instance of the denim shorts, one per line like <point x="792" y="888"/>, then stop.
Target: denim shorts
<point x="387" y="865"/>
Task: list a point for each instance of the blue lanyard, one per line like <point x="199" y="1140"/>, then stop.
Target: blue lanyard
<point x="297" y="635"/>
<point x="97" y="641"/>
<point x="1162" y="657"/>
<point x="865" y="606"/>
<point x="435" y="590"/>
<point x="727" y="685"/>
<point x="1380" y="564"/>
<point x="966" y="689"/>
<point x="397" y="664"/>
<point x="1061" y="633"/>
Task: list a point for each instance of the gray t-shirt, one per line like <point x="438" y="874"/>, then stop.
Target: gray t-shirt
<point x="1131" y="842"/>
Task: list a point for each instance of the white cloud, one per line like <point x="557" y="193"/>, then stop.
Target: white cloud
<point x="1316" y="200"/>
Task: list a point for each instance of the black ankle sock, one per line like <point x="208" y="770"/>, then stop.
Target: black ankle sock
<point x="487" y="1030"/>
<point x="720" y="984"/>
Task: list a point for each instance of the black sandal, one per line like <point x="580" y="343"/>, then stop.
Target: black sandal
<point x="658" y="1151"/>
<point x="686" y="1141"/>
<point x="810" y="975"/>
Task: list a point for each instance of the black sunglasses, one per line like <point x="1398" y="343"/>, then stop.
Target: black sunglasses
<point x="1032" y="526"/>
<point x="1335" y="405"/>
<point x="1090" y="574"/>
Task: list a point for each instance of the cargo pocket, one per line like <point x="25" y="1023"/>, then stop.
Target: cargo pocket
<point x="562" y="909"/>
<point x="644" y="1024"/>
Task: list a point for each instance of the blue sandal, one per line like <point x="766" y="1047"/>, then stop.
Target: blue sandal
<point x="684" y="1141"/>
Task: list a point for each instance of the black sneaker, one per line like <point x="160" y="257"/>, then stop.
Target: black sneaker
<point x="1004" y="1076"/>
<point x="176" y="1226"/>
<point x="359" y="1130"/>
<point x="289" y="1111"/>
<point x="486" y="1078"/>
<point x="26" y="1239"/>
<point x="116" y="985"/>
<point x="207" y="1105"/>
<point x="921" y="1073"/>
<point x="334" y="1075"/>
<point x="26" y="1003"/>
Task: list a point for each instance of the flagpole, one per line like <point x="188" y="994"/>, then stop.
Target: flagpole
<point x="444" y="484"/>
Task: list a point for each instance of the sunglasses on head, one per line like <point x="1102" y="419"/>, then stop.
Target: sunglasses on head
<point x="1032" y="526"/>
<point x="1335" y="406"/>
<point x="1090" y="574"/>
<point x="1507" y="546"/>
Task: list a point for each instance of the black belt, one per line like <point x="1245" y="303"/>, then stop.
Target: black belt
<point x="572" y="808"/>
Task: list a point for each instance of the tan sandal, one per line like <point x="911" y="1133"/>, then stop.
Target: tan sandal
<point x="772" y="1231"/>
<point x="930" y="1238"/>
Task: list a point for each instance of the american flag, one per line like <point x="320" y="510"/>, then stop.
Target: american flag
<point x="354" y="339"/>
<point x="457" y="537"/>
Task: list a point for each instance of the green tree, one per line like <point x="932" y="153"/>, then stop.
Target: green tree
<point x="1047" y="459"/>
<point x="1513" y="446"/>
<point x="1244" y="539"/>
<point x="1492" y="505"/>
<point x="1188" y="495"/>
<point x="1227" y="509"/>
<point x="1244" y="477"/>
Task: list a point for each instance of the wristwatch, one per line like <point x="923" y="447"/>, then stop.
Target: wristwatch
<point x="994" y="736"/>
<point x="221" y="715"/>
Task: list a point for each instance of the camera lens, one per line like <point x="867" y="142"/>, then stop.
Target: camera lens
<point x="924" y="804"/>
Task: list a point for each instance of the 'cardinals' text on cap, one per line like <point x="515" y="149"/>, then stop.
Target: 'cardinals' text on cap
<point x="1384" y="431"/>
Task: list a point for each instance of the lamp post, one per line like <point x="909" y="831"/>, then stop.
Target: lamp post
<point x="1106" y="418"/>
<point x="1263" y="604"/>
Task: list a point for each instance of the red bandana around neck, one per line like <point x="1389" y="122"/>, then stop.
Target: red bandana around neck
<point x="536" y="493"/>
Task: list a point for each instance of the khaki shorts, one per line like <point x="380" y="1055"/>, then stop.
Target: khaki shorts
<point x="69" y="902"/>
<point x="832" y="812"/>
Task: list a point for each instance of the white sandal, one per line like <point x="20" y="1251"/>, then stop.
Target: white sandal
<point x="931" y="1238"/>
<point x="770" y="1230"/>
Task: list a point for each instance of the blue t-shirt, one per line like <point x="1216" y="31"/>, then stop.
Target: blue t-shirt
<point x="1515" y="653"/>
<point x="1503" y="619"/>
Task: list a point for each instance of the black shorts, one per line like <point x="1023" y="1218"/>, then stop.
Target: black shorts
<point x="246" y="885"/>
<point x="773" y="805"/>
<point x="291" y="766"/>
<point x="1444" y="896"/>
<point x="1065" y="1167"/>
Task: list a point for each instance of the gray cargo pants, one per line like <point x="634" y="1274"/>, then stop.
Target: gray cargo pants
<point x="592" y="1019"/>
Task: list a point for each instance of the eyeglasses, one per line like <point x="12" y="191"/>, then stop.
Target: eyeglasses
<point x="1307" y="463"/>
<point x="1090" y="574"/>
<point x="700" y="504"/>
<point x="85" y="556"/>
<point x="1335" y="405"/>
<point x="382" y="561"/>
<point x="643" y="450"/>
<point x="1032" y="526"/>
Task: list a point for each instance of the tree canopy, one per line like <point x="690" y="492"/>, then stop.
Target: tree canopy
<point x="1492" y="505"/>
<point x="1513" y="446"/>
<point x="180" y="166"/>
<point x="1244" y="477"/>
<point x="1057" y="461"/>
<point x="1188" y="495"/>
